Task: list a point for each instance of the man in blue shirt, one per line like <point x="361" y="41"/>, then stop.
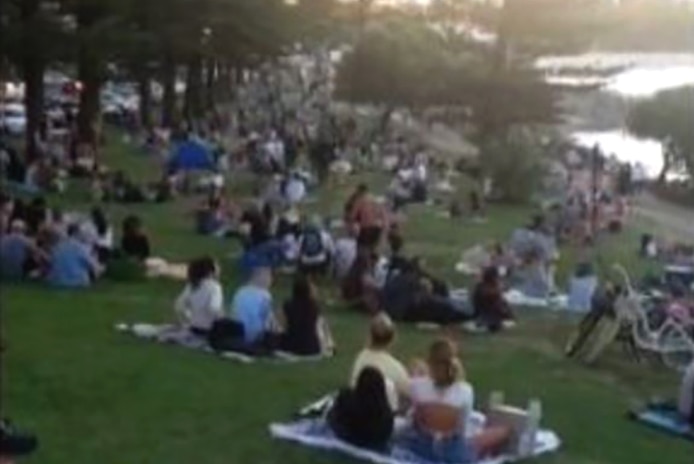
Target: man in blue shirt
<point x="15" y="250"/>
<point x="252" y="306"/>
<point x="72" y="266"/>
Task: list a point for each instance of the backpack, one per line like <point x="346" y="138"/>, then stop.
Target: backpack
<point x="312" y="247"/>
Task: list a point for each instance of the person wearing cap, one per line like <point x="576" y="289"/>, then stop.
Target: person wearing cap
<point x="377" y="355"/>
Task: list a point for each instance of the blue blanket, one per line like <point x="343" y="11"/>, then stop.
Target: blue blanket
<point x="666" y="420"/>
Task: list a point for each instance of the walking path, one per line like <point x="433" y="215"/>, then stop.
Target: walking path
<point x="675" y="222"/>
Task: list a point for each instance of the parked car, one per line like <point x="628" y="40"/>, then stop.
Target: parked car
<point x="13" y="118"/>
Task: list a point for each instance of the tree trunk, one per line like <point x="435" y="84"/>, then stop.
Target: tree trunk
<point x="192" y="106"/>
<point x="89" y="105"/>
<point x="168" y="111"/>
<point x="222" y="88"/>
<point x="89" y="72"/>
<point x="33" y="67"/>
<point x="144" y="88"/>
<point x="211" y="78"/>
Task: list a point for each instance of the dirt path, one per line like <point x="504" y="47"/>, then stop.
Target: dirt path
<point x="673" y="221"/>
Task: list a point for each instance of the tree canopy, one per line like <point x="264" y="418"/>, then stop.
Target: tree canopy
<point x="669" y="118"/>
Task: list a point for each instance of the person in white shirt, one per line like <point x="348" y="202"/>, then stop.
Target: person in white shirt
<point x="442" y="405"/>
<point x="345" y="253"/>
<point x="294" y="190"/>
<point x="98" y="233"/>
<point x="200" y="303"/>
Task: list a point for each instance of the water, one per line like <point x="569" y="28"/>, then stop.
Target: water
<point x="637" y="75"/>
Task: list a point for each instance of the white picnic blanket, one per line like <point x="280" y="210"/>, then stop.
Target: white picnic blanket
<point x="314" y="433"/>
<point x="173" y="335"/>
<point x="515" y="297"/>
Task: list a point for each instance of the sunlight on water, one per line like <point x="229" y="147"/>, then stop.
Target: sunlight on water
<point x="625" y="148"/>
<point x="649" y="81"/>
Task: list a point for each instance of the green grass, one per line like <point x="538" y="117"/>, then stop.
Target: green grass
<point x="93" y="395"/>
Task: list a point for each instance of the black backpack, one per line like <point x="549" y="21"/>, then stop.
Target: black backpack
<point x="312" y="246"/>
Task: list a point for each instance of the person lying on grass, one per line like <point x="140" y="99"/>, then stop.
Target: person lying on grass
<point x="442" y="406"/>
<point x="200" y="303"/>
<point x="71" y="263"/>
<point x="411" y="295"/>
<point x="377" y="355"/>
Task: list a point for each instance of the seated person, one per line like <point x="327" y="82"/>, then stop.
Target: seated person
<point x="251" y="307"/>
<point x="502" y="259"/>
<point x="490" y="309"/>
<point x="305" y="331"/>
<point x="397" y="261"/>
<point x="315" y="249"/>
<point x="294" y="189"/>
<point x="200" y="303"/>
<point x="377" y="355"/>
<point x="359" y="286"/>
<point x="71" y="264"/>
<point x="442" y="404"/>
<point x="134" y="242"/>
<point x="257" y="227"/>
<point x="361" y="415"/>
<point x="345" y="253"/>
<point x="98" y="234"/>
<point x="19" y="254"/>
<point x="582" y="287"/>
<point x="534" y="278"/>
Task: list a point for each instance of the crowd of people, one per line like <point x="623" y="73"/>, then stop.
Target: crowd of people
<point x="434" y="394"/>
<point x="73" y="250"/>
<point x="272" y="127"/>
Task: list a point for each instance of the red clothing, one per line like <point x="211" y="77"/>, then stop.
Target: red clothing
<point x="366" y="212"/>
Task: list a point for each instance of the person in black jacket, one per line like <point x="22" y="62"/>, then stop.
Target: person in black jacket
<point x="302" y="316"/>
<point x="362" y="416"/>
<point x="134" y="242"/>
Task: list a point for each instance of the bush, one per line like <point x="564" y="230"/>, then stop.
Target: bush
<point x="515" y="162"/>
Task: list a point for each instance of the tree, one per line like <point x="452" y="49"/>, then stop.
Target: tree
<point x="393" y="65"/>
<point x="668" y="117"/>
<point x="516" y="163"/>
<point x="34" y="27"/>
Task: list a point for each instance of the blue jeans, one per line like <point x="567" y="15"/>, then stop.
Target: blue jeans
<point x="454" y="449"/>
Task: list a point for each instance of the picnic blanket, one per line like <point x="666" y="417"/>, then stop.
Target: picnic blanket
<point x="173" y="335"/>
<point x="515" y="297"/>
<point x="666" y="420"/>
<point x="314" y="433"/>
